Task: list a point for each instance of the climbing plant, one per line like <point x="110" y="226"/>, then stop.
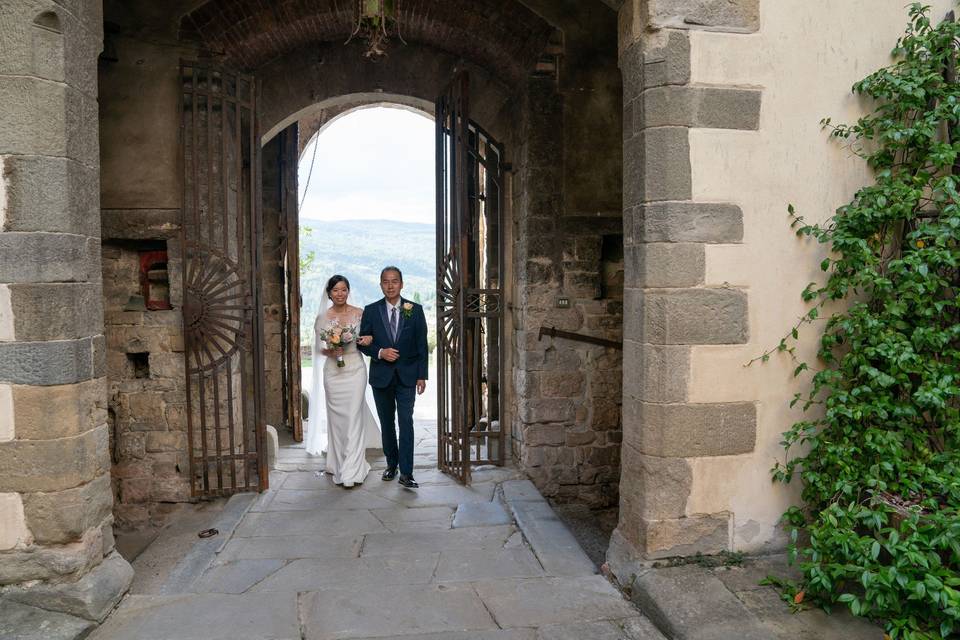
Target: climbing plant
<point x="878" y="454"/>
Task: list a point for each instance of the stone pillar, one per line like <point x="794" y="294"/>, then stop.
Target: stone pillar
<point x="55" y="497"/>
<point x="668" y="309"/>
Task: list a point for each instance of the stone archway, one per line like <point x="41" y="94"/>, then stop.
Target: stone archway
<point x="545" y="83"/>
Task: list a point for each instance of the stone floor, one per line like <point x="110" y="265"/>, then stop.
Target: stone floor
<point x="310" y="560"/>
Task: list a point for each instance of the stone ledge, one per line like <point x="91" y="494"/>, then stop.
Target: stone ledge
<point x="690" y="603"/>
<point x="690" y="430"/>
<point x="555" y="547"/>
<point x="140" y="224"/>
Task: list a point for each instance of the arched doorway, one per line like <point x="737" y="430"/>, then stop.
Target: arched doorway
<point x="544" y="83"/>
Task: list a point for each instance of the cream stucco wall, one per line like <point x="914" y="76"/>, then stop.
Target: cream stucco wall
<point x="805" y="58"/>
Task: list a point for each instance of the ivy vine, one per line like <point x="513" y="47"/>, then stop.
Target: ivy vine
<point x="878" y="455"/>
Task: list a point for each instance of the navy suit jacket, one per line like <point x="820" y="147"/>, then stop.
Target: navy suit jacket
<point x="411" y="342"/>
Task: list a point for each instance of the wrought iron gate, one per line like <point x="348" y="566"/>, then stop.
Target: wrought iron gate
<point x="290" y="255"/>
<point x="219" y="235"/>
<point x="469" y="288"/>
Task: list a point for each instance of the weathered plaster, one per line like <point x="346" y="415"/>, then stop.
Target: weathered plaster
<point x="805" y="61"/>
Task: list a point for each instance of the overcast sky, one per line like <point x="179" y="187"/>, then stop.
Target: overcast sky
<point x="371" y="164"/>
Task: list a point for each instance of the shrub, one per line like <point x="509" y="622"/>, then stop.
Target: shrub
<point x="878" y="457"/>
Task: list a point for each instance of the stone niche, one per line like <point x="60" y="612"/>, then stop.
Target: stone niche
<point x="142" y="288"/>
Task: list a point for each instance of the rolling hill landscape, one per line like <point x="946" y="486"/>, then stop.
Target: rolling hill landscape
<point x="359" y="249"/>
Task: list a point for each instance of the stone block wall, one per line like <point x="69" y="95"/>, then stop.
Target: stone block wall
<point x="566" y="428"/>
<point x="55" y="499"/>
<point x="145" y="364"/>
<point x="669" y="307"/>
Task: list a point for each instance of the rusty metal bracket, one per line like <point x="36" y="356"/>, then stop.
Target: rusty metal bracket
<point x="579" y="337"/>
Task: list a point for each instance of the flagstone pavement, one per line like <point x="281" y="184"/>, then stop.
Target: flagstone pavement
<point x="310" y="560"/>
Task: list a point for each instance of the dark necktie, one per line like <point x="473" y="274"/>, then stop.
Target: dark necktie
<point x="393" y="324"/>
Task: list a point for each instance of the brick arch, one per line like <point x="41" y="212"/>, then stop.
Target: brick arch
<point x="332" y="74"/>
<point x="501" y="35"/>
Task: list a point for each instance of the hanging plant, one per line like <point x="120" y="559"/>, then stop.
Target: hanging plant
<point x="880" y="455"/>
<point x="377" y="21"/>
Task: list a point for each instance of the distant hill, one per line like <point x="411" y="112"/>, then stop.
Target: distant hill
<point x="359" y="250"/>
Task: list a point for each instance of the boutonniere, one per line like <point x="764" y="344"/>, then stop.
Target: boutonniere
<point x="407" y="309"/>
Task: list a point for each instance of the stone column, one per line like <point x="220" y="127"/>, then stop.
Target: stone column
<point x="55" y="497"/>
<point x="668" y="309"/>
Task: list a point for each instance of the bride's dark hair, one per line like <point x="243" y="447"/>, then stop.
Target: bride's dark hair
<point x="334" y="281"/>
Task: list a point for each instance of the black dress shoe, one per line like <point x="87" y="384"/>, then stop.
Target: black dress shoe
<point x="389" y="474"/>
<point x="408" y="482"/>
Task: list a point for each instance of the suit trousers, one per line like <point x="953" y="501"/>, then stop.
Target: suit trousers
<point x="395" y="405"/>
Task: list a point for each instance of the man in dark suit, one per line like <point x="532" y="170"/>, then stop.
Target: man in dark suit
<point x="398" y="368"/>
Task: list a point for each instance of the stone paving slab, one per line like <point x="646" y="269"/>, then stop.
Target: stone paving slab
<point x="521" y="490"/>
<point x="343" y="499"/>
<point x="637" y="628"/>
<point x="204" y="552"/>
<point x="291" y="548"/>
<point x="465" y="566"/>
<point x="235" y="577"/>
<point x="812" y="624"/>
<point x="690" y="603"/>
<point x="382" y="612"/>
<point x="549" y="601"/>
<point x="480" y="514"/>
<point x="499" y="634"/>
<point x="475" y="538"/>
<point x="433" y="495"/>
<point x="204" y="617"/>
<point x="419" y="519"/>
<point x="307" y="480"/>
<point x="555" y="546"/>
<point x="358" y="573"/>
<point x="292" y="523"/>
<point x="23" y="622"/>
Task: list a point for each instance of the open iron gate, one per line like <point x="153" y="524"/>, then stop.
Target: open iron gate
<point x="221" y="296"/>
<point x="470" y="300"/>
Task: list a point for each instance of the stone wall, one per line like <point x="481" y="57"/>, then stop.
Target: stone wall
<point x="725" y="99"/>
<point x="568" y="243"/>
<point x="55" y="498"/>
<point x="145" y="364"/>
<point x="669" y="307"/>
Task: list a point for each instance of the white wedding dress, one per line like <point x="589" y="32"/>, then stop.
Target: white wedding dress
<point x="340" y="421"/>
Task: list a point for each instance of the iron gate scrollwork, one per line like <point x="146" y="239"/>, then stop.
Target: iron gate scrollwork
<point x="221" y="226"/>
<point x="470" y="302"/>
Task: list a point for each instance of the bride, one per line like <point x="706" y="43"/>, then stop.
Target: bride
<point x="343" y="424"/>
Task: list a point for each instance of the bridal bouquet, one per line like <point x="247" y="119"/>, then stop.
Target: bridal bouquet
<point x="338" y="336"/>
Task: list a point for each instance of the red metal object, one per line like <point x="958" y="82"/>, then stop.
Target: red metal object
<point x="153" y="262"/>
